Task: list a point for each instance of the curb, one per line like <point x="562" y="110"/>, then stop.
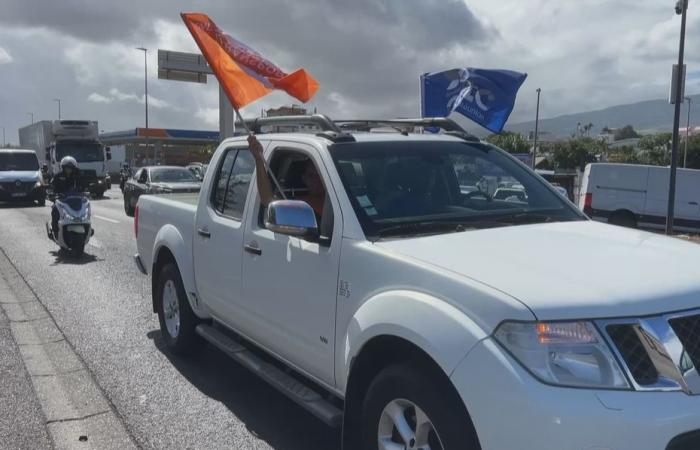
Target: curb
<point x="77" y="413"/>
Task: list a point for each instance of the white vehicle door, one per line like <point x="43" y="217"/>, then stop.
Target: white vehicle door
<point x="687" y="195"/>
<point x="218" y="239"/>
<point x="289" y="284"/>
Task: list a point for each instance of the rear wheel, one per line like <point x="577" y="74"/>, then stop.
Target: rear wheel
<point x="177" y="320"/>
<point x="77" y="250"/>
<point x="623" y="219"/>
<point x="128" y="209"/>
<point x="406" y="407"/>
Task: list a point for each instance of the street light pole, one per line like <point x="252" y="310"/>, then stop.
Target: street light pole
<point x="687" y="135"/>
<point x="537" y="123"/>
<point x="32" y="116"/>
<point x="682" y="9"/>
<point x="58" y="100"/>
<point x="3" y="137"/>
<point x="145" y="86"/>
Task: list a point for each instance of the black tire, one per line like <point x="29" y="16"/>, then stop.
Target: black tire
<point x="41" y="201"/>
<point x="77" y="250"/>
<point x="623" y="219"/>
<point x="128" y="209"/>
<point x="186" y="340"/>
<point x="430" y="392"/>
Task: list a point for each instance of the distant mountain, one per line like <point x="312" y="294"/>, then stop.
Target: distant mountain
<point x="647" y="116"/>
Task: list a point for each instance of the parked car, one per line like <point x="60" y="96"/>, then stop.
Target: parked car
<point x="158" y="180"/>
<point x="637" y="196"/>
<point x="198" y="169"/>
<point x="20" y="177"/>
<point x="418" y="315"/>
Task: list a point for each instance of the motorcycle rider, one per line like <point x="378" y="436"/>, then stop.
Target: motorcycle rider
<point x="68" y="180"/>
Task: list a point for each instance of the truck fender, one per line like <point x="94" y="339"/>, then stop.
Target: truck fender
<point x="435" y="326"/>
<point x="169" y="237"/>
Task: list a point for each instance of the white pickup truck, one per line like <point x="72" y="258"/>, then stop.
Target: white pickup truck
<point x="418" y="311"/>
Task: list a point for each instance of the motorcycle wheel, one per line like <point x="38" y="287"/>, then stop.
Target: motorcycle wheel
<point x="77" y="250"/>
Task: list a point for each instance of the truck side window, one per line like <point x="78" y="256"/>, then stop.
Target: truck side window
<point x="238" y="182"/>
<point x="218" y="194"/>
<point x="231" y="184"/>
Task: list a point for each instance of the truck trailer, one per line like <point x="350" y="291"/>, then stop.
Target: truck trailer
<point x="54" y="140"/>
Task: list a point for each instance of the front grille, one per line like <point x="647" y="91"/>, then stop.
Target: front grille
<point x="12" y="186"/>
<point x="688" y="331"/>
<point x="633" y="352"/>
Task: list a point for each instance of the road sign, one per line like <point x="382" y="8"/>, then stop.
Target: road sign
<point x="193" y="68"/>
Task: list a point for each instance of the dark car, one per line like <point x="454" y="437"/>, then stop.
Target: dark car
<point x="158" y="180"/>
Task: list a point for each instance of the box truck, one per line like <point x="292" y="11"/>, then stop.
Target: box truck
<point x="54" y="140"/>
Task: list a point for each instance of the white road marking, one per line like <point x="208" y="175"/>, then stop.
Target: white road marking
<point x="95" y="243"/>
<point x="105" y="218"/>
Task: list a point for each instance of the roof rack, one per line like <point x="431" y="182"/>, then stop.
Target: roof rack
<point x="319" y="120"/>
<point x="448" y="126"/>
<point x="337" y="130"/>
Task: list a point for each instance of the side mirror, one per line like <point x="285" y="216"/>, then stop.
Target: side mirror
<point x="291" y="217"/>
<point x="108" y="153"/>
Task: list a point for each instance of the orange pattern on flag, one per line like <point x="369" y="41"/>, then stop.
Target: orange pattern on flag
<point x="244" y="74"/>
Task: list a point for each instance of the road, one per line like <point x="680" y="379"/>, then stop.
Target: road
<point x="102" y="305"/>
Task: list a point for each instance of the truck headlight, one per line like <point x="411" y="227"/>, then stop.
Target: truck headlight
<point x="563" y="353"/>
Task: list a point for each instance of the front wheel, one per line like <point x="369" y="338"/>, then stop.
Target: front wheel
<point x="408" y="407"/>
<point x="128" y="209"/>
<point x="177" y="320"/>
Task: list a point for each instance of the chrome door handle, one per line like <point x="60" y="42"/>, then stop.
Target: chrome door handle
<point x="253" y="248"/>
<point x="203" y="232"/>
<point x="693" y="203"/>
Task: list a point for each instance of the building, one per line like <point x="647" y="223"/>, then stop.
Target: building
<point x="293" y="110"/>
<point x="171" y="146"/>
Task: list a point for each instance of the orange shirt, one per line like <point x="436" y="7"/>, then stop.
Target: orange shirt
<point x="315" y="202"/>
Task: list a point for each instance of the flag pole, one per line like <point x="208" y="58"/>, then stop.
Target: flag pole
<point x="267" y="167"/>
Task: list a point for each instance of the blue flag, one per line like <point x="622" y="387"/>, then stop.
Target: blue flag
<point x="484" y="96"/>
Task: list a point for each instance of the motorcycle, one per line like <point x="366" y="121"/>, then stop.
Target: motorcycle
<point x="74" y="223"/>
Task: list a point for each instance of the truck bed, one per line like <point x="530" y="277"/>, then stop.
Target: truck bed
<point x="173" y="214"/>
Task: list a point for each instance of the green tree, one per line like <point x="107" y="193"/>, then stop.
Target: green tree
<point x="576" y="153"/>
<point x="626" y="132"/>
<point x="510" y="142"/>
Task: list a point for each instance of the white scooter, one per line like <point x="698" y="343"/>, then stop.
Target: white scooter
<point x="74" y="223"/>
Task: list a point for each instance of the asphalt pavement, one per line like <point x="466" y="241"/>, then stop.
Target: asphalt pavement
<point x="102" y="306"/>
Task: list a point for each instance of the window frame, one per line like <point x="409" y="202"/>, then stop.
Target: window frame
<point x="215" y="180"/>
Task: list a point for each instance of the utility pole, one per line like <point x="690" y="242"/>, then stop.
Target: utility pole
<point x="537" y="123"/>
<point x="145" y="86"/>
<point x="687" y="135"/>
<point x="58" y="100"/>
<point x="682" y="9"/>
<point x="4" y="144"/>
<point x="32" y="116"/>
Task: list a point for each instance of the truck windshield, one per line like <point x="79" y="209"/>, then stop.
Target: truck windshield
<point x="172" y="175"/>
<point x="18" y="161"/>
<point x="410" y="188"/>
<point x="81" y="151"/>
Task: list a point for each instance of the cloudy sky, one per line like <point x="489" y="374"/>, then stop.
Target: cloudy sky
<point x="367" y="54"/>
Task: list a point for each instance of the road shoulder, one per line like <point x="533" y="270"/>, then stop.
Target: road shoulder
<point x="52" y="397"/>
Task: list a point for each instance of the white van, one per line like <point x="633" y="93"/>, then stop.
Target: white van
<point x="637" y="196"/>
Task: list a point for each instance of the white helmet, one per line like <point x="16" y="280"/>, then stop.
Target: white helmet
<point x="69" y="161"/>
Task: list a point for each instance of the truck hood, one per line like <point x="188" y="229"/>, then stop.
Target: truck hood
<point x="570" y="270"/>
<point x="21" y="175"/>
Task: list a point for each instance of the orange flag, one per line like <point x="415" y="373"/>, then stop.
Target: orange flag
<point x="244" y="74"/>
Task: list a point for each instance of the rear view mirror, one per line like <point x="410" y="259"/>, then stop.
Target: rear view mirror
<point x="291" y="217"/>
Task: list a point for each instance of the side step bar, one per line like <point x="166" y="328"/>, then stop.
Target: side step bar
<point x="303" y="395"/>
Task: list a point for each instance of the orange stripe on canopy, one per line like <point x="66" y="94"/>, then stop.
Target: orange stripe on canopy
<point x="243" y="73"/>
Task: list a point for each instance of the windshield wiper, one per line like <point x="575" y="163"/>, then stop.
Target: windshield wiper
<point x="434" y="226"/>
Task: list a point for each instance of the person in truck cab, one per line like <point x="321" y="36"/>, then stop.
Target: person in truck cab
<point x="68" y="180"/>
<point x="316" y="192"/>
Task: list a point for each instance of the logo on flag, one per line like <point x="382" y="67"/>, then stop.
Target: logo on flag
<point x="485" y="96"/>
<point x="243" y="73"/>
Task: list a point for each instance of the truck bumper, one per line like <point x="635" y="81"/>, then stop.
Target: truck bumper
<point x="139" y="264"/>
<point x="512" y="410"/>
